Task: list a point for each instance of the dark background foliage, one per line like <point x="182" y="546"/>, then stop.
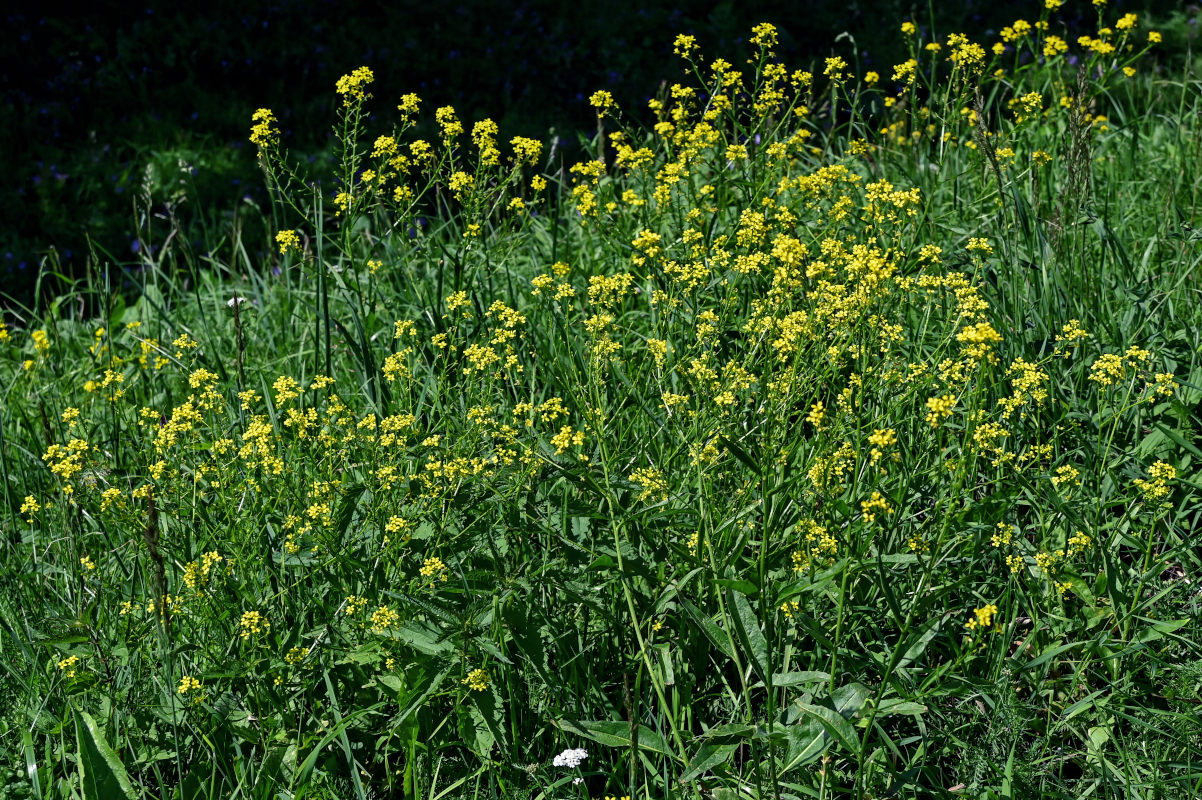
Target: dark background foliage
<point x="94" y="102"/>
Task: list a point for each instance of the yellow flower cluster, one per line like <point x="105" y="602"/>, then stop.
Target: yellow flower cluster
<point x="477" y="680"/>
<point x="253" y="623"/>
<point x="982" y="617"/>
<point x="288" y="241"/>
<point x="264" y="132"/>
<point x="188" y="684"/>
<point x="940" y="408"/>
<point x="353" y="87"/>
<point x="1157" y="488"/>
<point x="1112" y="368"/>
<point x="874" y="505"/>
<point x="653" y="487"/>
<point x="383" y="619"/>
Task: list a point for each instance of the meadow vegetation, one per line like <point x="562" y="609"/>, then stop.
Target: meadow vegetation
<point x="832" y="438"/>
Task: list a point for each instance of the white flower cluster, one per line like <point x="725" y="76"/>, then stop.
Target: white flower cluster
<point x="570" y="758"/>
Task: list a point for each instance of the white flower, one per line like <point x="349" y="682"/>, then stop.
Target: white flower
<point x="570" y="758"/>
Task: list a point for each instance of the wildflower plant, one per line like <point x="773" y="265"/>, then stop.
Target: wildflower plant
<point x="743" y="449"/>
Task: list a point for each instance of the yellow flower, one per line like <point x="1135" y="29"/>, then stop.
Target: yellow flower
<point x="871" y="506"/>
<point x="939" y="409"/>
<point x="265" y="132"/>
<point x="352" y="86"/>
<point x="685" y="45"/>
<point x="653" y="487"/>
<point x="908" y="28"/>
<point x="980" y="246"/>
<point x="982" y="617"/>
<point x="187" y="684"/>
<point x="409" y="104"/>
<point x="603" y="101"/>
<point x="477" y="680"/>
<point x="30" y="507"/>
<point x="288" y="241"/>
<point x="460" y="184"/>
<point x="764" y="35"/>
<point x="384" y="618"/>
<point x="448" y="123"/>
<point x="253" y="623"/>
<point x="834" y="68"/>
<point x="526" y="151"/>
<point x="434" y="567"/>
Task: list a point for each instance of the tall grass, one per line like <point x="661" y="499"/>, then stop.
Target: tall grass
<point x="833" y="439"/>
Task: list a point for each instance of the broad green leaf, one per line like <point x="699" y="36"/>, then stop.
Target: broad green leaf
<point x="738" y="452"/>
<point x="896" y="705"/>
<point x="1048" y="655"/>
<point x="420" y="638"/>
<point x="807" y="742"/>
<point x="752" y="638"/>
<point x="102" y="776"/>
<point x="31" y="763"/>
<point x="718" y="637"/>
<point x="709" y="755"/>
<point x="615" y="733"/>
<point x="475" y="731"/>
<point x="925" y="634"/>
<point x="849" y="698"/>
<point x="1159" y="629"/>
<point x="730" y="730"/>
<point x="796" y="678"/>
<point x="833" y="723"/>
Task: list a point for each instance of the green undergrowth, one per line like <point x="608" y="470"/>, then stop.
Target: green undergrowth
<point x="834" y="438"/>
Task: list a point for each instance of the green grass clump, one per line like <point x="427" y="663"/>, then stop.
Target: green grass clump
<point x="835" y="438"/>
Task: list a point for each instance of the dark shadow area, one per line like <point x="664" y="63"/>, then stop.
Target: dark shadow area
<point x="124" y="108"/>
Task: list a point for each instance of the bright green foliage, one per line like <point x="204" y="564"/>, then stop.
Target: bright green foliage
<point x="833" y="439"/>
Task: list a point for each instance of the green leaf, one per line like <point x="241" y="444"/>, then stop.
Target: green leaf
<point x="1178" y="439"/>
<point x="741" y="454"/>
<point x="896" y="705"/>
<point x="739" y="585"/>
<point x="615" y="733"/>
<point x="780" y="680"/>
<point x="102" y="776"/>
<point x="849" y="698"/>
<point x="794" y="678"/>
<point x="925" y="634"/>
<point x="412" y="696"/>
<point x="752" y="638"/>
<point x="730" y="730"/>
<point x="807" y="742"/>
<point x="31" y="763"/>
<point x="1047" y="656"/>
<point x="1159" y="629"/>
<point x="718" y="637"/>
<point x="474" y="731"/>
<point x="708" y="756"/>
<point x="346" y="508"/>
<point x="423" y="639"/>
<point x="833" y="723"/>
